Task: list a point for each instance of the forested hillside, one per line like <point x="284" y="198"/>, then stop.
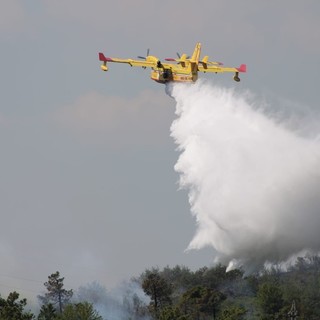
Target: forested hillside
<point x="213" y="293"/>
<point x="182" y="294"/>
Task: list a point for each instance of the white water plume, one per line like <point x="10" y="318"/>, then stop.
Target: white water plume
<point x="253" y="183"/>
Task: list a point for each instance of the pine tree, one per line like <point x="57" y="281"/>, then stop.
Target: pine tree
<point x="56" y="294"/>
<point x="13" y="309"/>
<point x="47" y="312"/>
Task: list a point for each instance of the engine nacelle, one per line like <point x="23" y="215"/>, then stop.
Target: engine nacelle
<point x="152" y="59"/>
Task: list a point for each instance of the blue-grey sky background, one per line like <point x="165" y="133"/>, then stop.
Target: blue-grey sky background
<point x="87" y="178"/>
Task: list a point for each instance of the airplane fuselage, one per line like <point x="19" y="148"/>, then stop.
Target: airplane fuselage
<point x="168" y="75"/>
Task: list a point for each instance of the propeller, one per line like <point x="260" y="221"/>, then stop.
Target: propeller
<point x="144" y="58"/>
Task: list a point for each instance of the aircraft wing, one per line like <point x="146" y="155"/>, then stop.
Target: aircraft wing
<point x="151" y="63"/>
<point x="203" y="62"/>
<point x="219" y="69"/>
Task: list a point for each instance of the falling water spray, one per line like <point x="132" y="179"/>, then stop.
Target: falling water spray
<point x="253" y="183"/>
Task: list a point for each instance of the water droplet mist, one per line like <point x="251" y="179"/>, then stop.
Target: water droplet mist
<point x="253" y="183"/>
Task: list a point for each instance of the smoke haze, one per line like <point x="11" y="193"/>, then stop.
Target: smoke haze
<point x="253" y="180"/>
<point x="122" y="302"/>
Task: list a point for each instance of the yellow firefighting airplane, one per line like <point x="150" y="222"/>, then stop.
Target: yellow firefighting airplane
<point x="184" y="69"/>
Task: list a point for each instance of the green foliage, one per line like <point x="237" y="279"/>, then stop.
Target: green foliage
<point x="200" y="301"/>
<point x="157" y="288"/>
<point x="171" y="312"/>
<point x="47" y="312"/>
<point x="216" y="276"/>
<point x="270" y="298"/>
<point x="233" y="312"/>
<point x="179" y="277"/>
<point x="56" y="294"/>
<point x="79" y="311"/>
<point x="13" y="309"/>
<point x="213" y="293"/>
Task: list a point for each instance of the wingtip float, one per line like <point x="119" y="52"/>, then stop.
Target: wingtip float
<point x="185" y="69"/>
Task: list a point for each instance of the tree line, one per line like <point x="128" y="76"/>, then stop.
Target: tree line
<point x="181" y="294"/>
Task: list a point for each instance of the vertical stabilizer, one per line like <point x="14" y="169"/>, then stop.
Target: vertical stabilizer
<point x="196" y="53"/>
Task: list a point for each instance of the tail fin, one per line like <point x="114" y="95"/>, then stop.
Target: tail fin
<point x="242" y="68"/>
<point x="103" y="58"/>
<point x="196" y="53"/>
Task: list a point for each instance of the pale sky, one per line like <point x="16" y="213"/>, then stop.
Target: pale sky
<point x="87" y="184"/>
